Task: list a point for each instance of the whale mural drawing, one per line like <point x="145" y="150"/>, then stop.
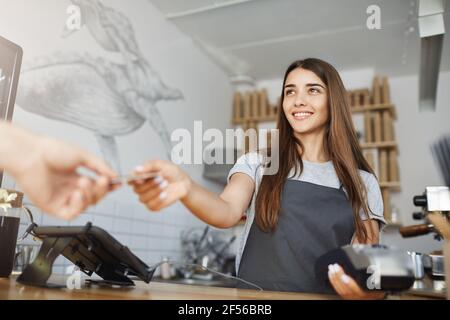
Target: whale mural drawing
<point x="108" y="98"/>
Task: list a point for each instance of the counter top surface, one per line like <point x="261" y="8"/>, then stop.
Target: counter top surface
<point x="10" y="289"/>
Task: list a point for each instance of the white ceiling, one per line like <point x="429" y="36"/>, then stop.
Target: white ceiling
<point x="261" y="37"/>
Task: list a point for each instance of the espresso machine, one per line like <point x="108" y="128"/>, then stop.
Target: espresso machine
<point x="435" y="216"/>
<point x="433" y="269"/>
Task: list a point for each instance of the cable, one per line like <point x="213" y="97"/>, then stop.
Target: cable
<point x="30" y="227"/>
<point x="224" y="275"/>
<point x="154" y="267"/>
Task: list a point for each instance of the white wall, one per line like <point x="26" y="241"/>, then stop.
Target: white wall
<point x="37" y="27"/>
<point x="415" y="131"/>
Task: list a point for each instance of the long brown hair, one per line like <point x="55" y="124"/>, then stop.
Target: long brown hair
<point x="340" y="143"/>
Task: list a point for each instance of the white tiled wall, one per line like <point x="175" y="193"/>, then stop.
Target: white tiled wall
<point x="150" y="236"/>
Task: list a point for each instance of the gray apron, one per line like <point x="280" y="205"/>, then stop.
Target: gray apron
<point x="314" y="219"/>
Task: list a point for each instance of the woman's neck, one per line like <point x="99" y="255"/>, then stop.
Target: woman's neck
<point x="313" y="147"/>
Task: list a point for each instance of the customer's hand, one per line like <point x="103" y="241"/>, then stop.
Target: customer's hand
<point x="170" y="185"/>
<point x="347" y="287"/>
<point x="46" y="173"/>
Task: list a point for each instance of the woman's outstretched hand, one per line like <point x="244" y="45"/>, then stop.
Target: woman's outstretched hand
<point x="170" y="185"/>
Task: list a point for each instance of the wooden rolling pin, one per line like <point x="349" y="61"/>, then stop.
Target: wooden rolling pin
<point x="376" y="96"/>
<point x="369" y="158"/>
<point x="366" y="97"/>
<point x="393" y="166"/>
<point x="356" y="99"/>
<point x="383" y="166"/>
<point x="386" y="95"/>
<point x="377" y="126"/>
<point x="247" y="106"/>
<point x="368" y="128"/>
<point x="350" y="99"/>
<point x="237" y="107"/>
<point x="264" y="106"/>
<point x="387" y="126"/>
<point x="255" y="105"/>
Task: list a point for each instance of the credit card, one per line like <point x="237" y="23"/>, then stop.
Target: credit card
<point x="133" y="177"/>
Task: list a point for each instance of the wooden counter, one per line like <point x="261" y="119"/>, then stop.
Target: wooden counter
<point x="11" y="290"/>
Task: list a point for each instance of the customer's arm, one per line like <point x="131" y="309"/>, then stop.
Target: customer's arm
<point x="46" y="171"/>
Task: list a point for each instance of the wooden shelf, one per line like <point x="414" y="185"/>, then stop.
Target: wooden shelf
<point x="358" y="109"/>
<point x="375" y="107"/>
<point x="383" y="144"/>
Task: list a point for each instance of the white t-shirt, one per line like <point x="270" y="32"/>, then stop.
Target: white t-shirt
<point x="322" y="174"/>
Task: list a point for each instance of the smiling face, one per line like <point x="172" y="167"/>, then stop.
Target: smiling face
<point x="305" y="102"/>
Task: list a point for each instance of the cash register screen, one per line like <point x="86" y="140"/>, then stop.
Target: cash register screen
<point x="10" y="62"/>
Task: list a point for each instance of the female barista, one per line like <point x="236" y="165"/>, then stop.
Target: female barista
<point x="323" y="196"/>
